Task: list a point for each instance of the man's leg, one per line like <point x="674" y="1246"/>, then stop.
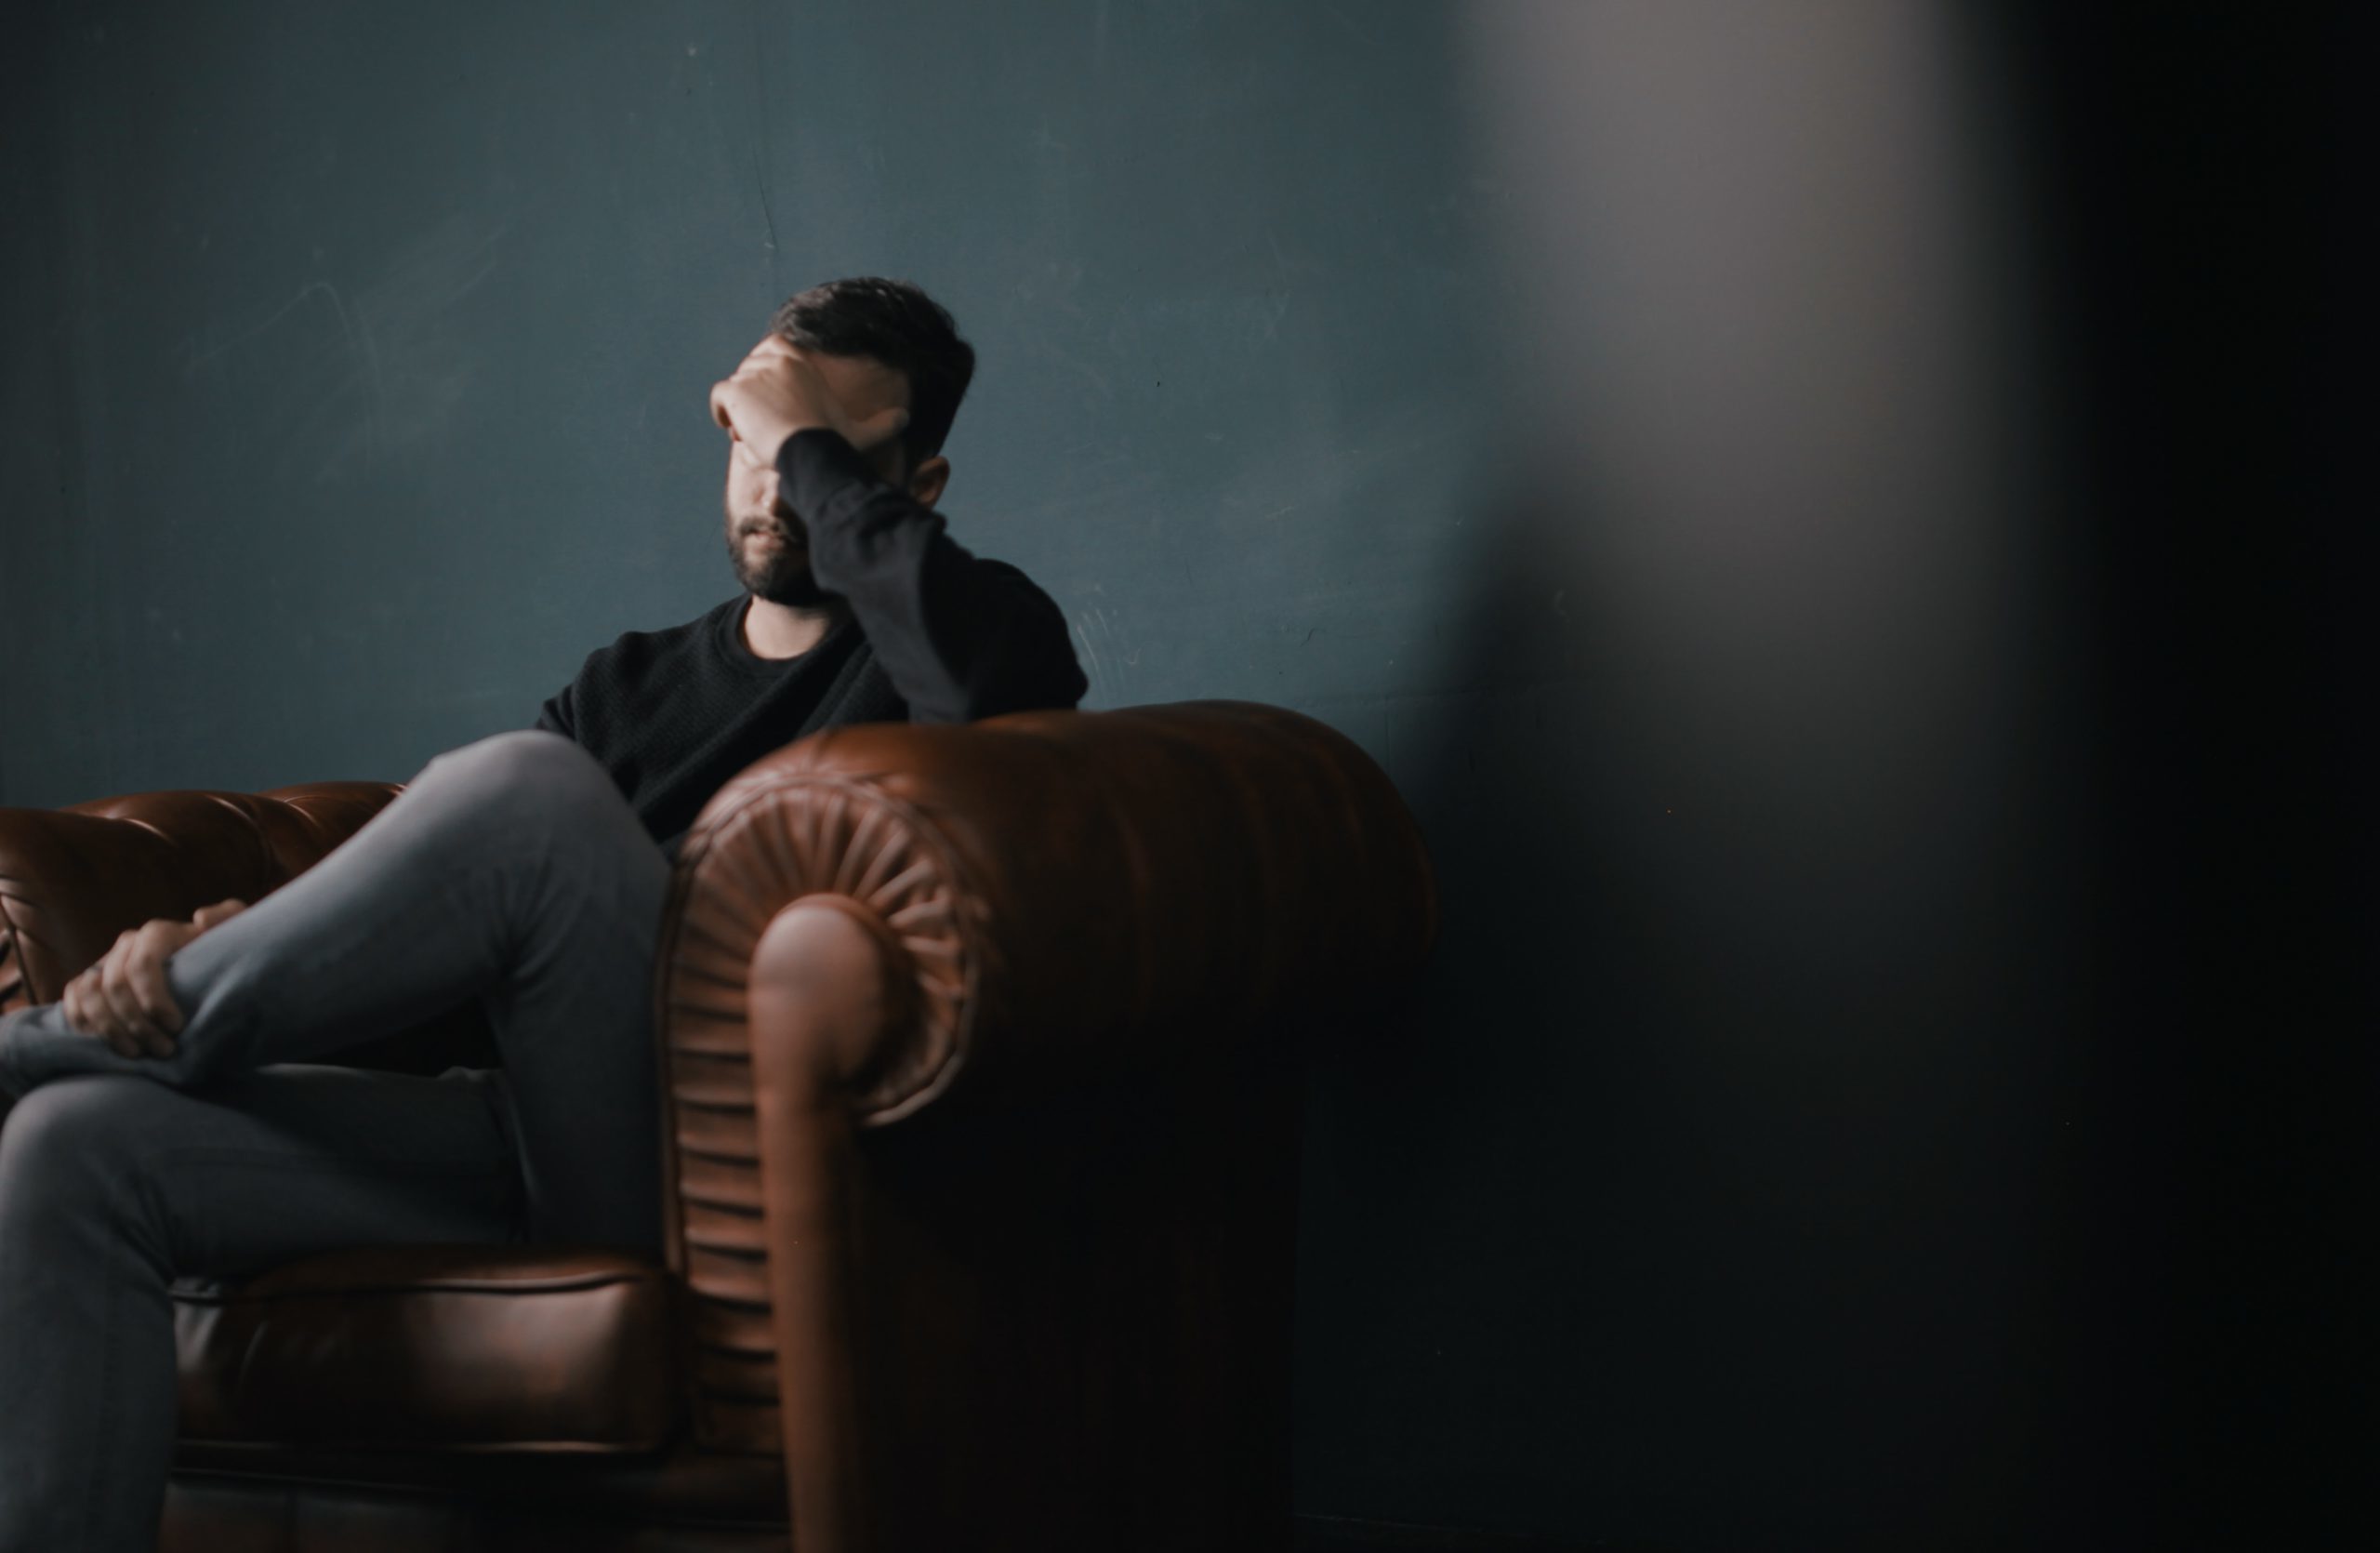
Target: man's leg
<point x="510" y="870"/>
<point x="111" y="1186"/>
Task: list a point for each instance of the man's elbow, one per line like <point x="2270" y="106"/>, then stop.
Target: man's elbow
<point x="998" y="699"/>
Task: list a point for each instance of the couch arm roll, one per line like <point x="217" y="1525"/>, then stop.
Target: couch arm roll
<point x="1069" y="891"/>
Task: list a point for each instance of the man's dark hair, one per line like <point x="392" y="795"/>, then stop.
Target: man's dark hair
<point x="895" y="322"/>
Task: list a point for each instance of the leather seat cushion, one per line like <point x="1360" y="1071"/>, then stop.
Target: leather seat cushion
<point x="534" y="1350"/>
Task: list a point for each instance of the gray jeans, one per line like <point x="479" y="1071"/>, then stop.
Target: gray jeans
<point x="511" y="873"/>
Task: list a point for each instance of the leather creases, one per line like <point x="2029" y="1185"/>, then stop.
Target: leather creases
<point x="766" y="842"/>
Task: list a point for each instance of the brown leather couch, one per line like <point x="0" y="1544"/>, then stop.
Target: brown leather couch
<point x="979" y="1059"/>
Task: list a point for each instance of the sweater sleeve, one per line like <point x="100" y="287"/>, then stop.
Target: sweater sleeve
<point x="959" y="636"/>
<point x="555" y="716"/>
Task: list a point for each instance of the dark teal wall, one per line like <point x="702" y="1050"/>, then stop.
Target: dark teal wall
<point x="376" y="340"/>
<point x="1802" y="499"/>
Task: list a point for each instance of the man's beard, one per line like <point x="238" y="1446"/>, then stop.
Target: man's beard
<point x="782" y="578"/>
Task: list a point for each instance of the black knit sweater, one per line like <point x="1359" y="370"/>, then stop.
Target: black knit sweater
<point x="932" y="634"/>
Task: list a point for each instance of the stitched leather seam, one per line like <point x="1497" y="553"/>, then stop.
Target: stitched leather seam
<point x="437" y="1447"/>
<point x="564" y="1283"/>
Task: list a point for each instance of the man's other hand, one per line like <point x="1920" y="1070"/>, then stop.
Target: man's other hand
<point x="778" y="390"/>
<point x="124" y="1000"/>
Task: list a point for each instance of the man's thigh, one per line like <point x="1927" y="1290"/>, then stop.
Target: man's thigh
<point x="230" y="1179"/>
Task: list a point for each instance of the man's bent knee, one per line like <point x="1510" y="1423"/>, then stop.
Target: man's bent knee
<point x="531" y="773"/>
<point x="526" y="756"/>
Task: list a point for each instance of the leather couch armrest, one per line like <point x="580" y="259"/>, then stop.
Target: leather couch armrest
<point x="73" y="879"/>
<point x="892" y="919"/>
<point x="1059" y="892"/>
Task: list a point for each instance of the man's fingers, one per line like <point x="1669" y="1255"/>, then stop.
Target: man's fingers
<point x="146" y="975"/>
<point x="124" y="1002"/>
<point x="135" y="1006"/>
<point x="879" y="429"/>
<point x="773" y="347"/>
<point x="118" y="1014"/>
<point x="87" y="1011"/>
<point x="125" y="999"/>
<point x="143" y="972"/>
<point x="217" y="914"/>
<point x="87" y="1014"/>
<point x="95" y="1013"/>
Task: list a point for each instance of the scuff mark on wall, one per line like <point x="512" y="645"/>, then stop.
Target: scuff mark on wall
<point x="392" y="365"/>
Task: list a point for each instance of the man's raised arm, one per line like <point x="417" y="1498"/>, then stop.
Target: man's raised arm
<point x="960" y="637"/>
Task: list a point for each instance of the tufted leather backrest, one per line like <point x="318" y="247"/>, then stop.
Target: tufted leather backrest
<point x="73" y="879"/>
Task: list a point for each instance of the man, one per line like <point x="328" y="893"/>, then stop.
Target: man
<point x="168" y="1122"/>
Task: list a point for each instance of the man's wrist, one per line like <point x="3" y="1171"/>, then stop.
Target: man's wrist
<point x="820" y="476"/>
<point x="820" y="436"/>
<point x="791" y="431"/>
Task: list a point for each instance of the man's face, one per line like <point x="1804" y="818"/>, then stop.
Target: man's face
<point x="766" y="542"/>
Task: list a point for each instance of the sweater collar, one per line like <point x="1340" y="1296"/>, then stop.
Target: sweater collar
<point x="727" y="638"/>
